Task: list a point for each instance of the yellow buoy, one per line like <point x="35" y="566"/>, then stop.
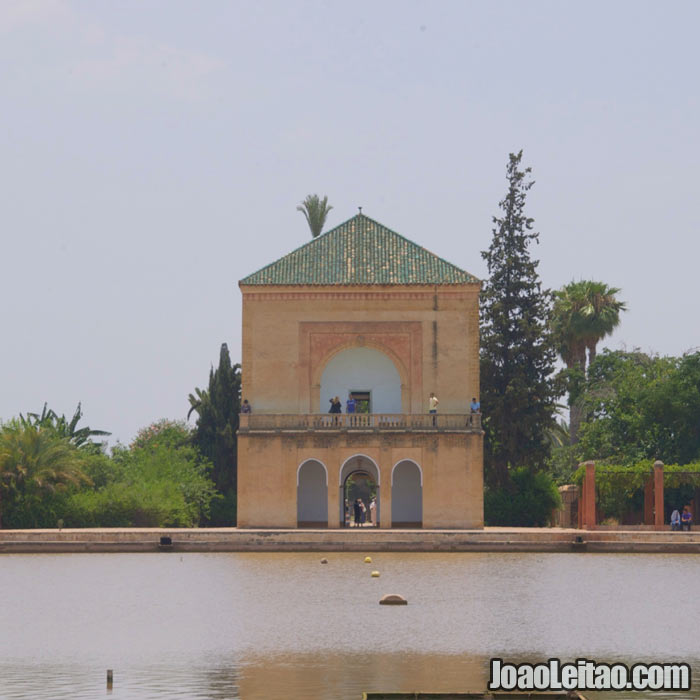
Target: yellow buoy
<point x="375" y="574"/>
<point x="368" y="560"/>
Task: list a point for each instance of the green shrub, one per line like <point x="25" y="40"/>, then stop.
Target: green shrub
<point x="152" y="486"/>
<point x="223" y="510"/>
<point x="529" y="503"/>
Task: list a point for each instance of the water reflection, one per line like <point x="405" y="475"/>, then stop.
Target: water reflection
<point x="284" y="626"/>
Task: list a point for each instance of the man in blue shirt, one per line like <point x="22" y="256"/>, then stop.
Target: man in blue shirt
<point x="350" y="405"/>
<point x="475" y="408"/>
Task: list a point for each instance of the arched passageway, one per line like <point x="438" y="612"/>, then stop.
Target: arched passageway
<point x="312" y="494"/>
<point x="406" y="495"/>
<point x="359" y="478"/>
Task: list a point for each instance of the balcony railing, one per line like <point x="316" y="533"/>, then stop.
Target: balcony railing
<point x="360" y="422"/>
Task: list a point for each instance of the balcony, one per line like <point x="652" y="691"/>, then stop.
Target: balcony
<point x="359" y="422"/>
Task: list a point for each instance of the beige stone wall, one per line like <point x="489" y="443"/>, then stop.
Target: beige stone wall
<point x="290" y="333"/>
<point x="451" y="464"/>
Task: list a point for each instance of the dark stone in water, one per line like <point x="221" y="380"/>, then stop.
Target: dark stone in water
<point x="393" y="599"/>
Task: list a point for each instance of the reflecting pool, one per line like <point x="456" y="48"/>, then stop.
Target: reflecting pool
<point x="286" y="626"/>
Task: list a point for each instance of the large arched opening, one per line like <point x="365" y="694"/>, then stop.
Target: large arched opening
<point x="406" y="494"/>
<point x="368" y="374"/>
<point x="359" y="479"/>
<point x="312" y="494"/>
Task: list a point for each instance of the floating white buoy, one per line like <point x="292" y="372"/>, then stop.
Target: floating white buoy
<point x="375" y="574"/>
<point x="368" y="560"/>
<point x="393" y="599"/>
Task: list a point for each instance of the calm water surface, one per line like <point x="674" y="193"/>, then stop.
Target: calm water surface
<point x="275" y="626"/>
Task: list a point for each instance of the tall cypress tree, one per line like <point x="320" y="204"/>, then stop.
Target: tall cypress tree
<point x="517" y="352"/>
<point x="218" y="408"/>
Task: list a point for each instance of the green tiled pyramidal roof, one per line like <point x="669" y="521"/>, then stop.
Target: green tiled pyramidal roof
<point x="359" y="251"/>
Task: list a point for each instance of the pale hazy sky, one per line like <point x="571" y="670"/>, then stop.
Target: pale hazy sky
<point x="153" y="154"/>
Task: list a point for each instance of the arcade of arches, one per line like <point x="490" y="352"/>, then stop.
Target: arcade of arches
<point x="359" y="477"/>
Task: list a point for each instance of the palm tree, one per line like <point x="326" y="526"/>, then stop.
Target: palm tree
<point x="601" y="313"/>
<point x="584" y="313"/>
<point x="315" y="210"/>
<point x="48" y="418"/>
<point x="197" y="400"/>
<point x="35" y="460"/>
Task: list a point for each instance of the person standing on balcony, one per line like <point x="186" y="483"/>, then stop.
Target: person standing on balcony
<point x="245" y="406"/>
<point x="474" y="407"/>
<point x="432" y="406"/>
<point x="336" y="407"/>
<point x="350" y="404"/>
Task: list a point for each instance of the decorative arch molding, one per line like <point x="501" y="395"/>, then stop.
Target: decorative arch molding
<point x="412" y="461"/>
<point x="362" y="342"/>
<point x="400" y="341"/>
<point x="313" y="459"/>
<point x="342" y="466"/>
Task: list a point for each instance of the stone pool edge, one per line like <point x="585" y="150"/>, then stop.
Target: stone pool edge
<point x="349" y="540"/>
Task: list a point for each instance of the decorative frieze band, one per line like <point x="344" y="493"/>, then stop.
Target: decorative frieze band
<point x="353" y="296"/>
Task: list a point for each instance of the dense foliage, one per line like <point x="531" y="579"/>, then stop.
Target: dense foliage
<point x="48" y="478"/>
<point x="36" y="466"/>
<point x="529" y="502"/>
<point x="517" y="351"/>
<point x="640" y="406"/>
<point x="151" y="486"/>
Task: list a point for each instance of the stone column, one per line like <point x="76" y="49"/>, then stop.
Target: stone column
<point x="563" y="517"/>
<point x="649" y="501"/>
<point x="334" y="519"/>
<point x="658" y="495"/>
<point x="385" y="504"/>
<point x="588" y="501"/>
<point x="384" y="467"/>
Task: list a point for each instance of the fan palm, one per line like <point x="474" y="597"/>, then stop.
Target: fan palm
<point x="315" y="210"/>
<point x="601" y="314"/>
<point x="584" y="313"/>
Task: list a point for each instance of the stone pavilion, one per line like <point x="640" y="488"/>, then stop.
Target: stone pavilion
<point x="360" y="312"/>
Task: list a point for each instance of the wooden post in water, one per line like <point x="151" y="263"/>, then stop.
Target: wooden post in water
<point x="110" y="678"/>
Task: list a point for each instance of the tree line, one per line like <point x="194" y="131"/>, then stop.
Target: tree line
<point x="623" y="406"/>
<point x="54" y="473"/>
